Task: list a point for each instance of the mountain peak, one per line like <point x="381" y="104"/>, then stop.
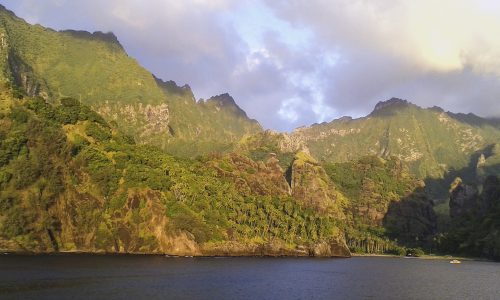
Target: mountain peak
<point x="393" y="102"/>
<point x="4" y="9"/>
<point x="171" y="87"/>
<point x="108" y="37"/>
<point x="226" y="101"/>
<point x="223" y="99"/>
<point x="9" y="14"/>
<point x="390" y="106"/>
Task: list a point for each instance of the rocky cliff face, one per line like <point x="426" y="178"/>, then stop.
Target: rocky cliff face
<point x="202" y="127"/>
<point x="463" y="199"/>
<point x="475" y="230"/>
<point x="312" y="186"/>
<point x="250" y="177"/>
<point x="146" y="121"/>
<point x="466" y="200"/>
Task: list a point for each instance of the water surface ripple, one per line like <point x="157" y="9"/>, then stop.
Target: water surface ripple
<point x="156" y="277"/>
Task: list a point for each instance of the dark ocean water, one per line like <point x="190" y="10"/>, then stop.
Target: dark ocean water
<point x="155" y="277"/>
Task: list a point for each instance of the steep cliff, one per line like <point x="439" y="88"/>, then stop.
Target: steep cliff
<point x="475" y="227"/>
<point x="463" y="199"/>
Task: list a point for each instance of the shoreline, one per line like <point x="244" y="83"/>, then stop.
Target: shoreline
<point x="166" y="255"/>
<point x="426" y="257"/>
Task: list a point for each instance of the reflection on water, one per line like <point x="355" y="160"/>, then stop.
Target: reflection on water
<point x="157" y="277"/>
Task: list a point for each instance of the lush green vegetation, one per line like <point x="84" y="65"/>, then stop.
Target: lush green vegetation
<point x="385" y="208"/>
<point x="91" y="67"/>
<point x="71" y="181"/>
<point x="430" y="141"/>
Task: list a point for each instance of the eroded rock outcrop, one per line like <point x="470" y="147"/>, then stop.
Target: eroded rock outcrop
<point x="148" y="120"/>
<point x="312" y="186"/>
<point x="257" y="178"/>
<point x="334" y="248"/>
<point x="463" y="198"/>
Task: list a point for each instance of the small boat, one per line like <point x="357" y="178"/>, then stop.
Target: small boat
<point x="455" y="261"/>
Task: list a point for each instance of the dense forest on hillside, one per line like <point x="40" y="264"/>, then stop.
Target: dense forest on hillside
<point x="71" y="181"/>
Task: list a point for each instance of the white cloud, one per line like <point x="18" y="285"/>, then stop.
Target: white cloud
<point x="441" y="35"/>
<point x="290" y="108"/>
<point x="386" y="46"/>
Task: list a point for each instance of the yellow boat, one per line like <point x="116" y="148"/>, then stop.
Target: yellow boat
<point x="455" y="261"/>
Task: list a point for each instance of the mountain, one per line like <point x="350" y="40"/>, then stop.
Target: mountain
<point x="84" y="164"/>
<point x="95" y="69"/>
<point x="430" y="141"/>
<point x="406" y="196"/>
<point x="199" y="127"/>
<point x="433" y="143"/>
<point x="99" y="155"/>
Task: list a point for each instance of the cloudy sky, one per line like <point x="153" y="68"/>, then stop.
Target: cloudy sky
<point x="297" y="62"/>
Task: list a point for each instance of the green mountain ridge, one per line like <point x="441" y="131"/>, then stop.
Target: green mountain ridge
<point x="432" y="142"/>
<point x="95" y="69"/>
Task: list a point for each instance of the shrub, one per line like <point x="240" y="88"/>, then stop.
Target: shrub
<point x="19" y="115"/>
<point x="78" y="144"/>
<point x="70" y="102"/>
<point x="414" y="252"/>
<point x="97" y="132"/>
<point x="69" y="111"/>
<point x="88" y="114"/>
<point x="117" y="202"/>
<point x="396" y="250"/>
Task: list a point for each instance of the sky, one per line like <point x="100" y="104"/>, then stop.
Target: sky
<point x="297" y="62"/>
